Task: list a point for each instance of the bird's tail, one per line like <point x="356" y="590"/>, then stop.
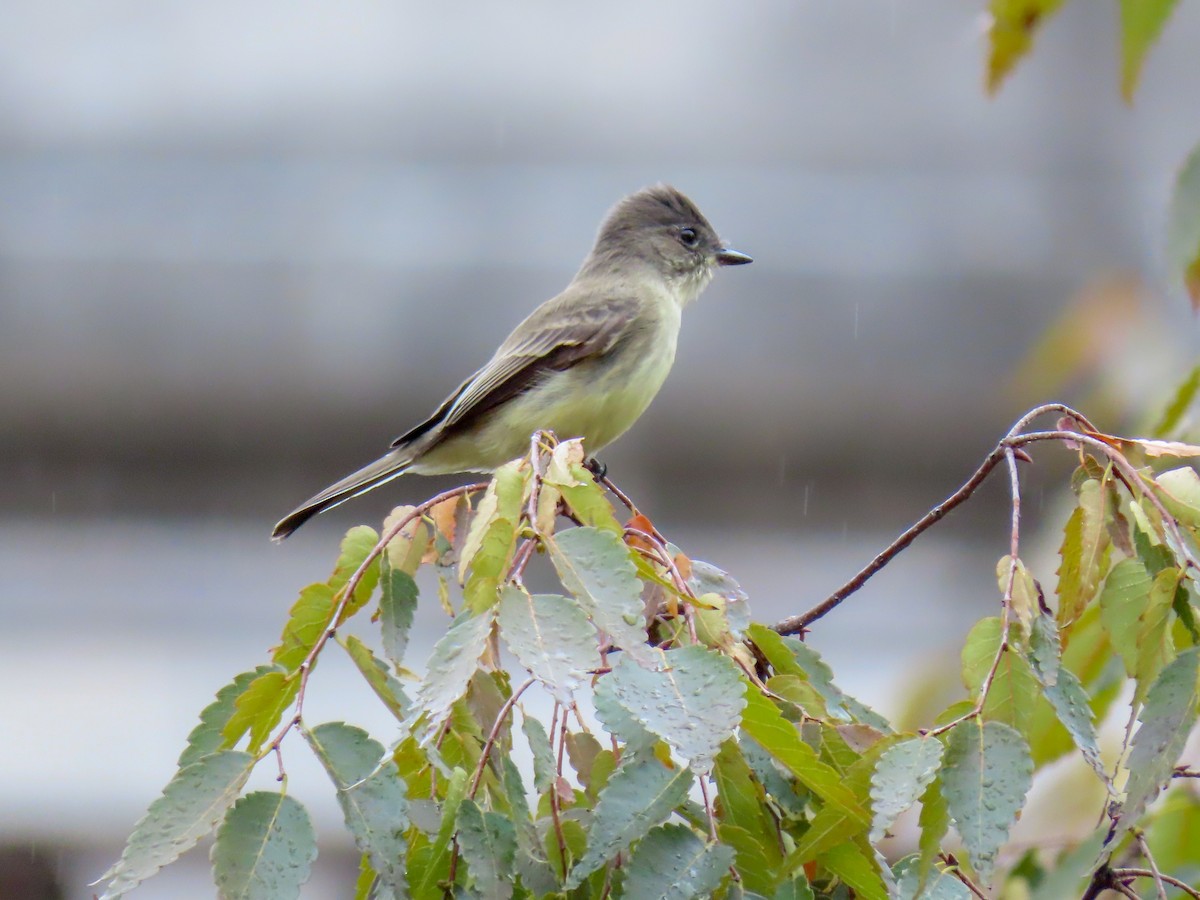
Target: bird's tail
<point x="384" y="469"/>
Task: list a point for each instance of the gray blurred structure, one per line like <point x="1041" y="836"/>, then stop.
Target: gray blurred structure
<point x="241" y="248"/>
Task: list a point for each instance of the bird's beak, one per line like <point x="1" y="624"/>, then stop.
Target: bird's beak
<point x="727" y="256"/>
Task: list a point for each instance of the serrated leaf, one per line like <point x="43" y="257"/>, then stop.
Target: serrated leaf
<point x="1085" y="540"/>
<point x="940" y="885"/>
<point x="1141" y="23"/>
<point x="500" y="502"/>
<point x="742" y="805"/>
<point x="311" y="614"/>
<point x="708" y="579"/>
<point x="1166" y="720"/>
<point x="377" y="674"/>
<point x="638" y="796"/>
<point x="1072" y="706"/>
<point x="355" y="548"/>
<point x="578" y="487"/>
<point x="489" y="848"/>
<point x="763" y="721"/>
<point x="264" y="849"/>
<point x="372" y="796"/>
<point x="1155" y="647"/>
<point x="531" y="864"/>
<point x="1183" y="229"/>
<point x="901" y="776"/>
<point x="1180" y="491"/>
<point x="259" y="708"/>
<point x="1024" y="599"/>
<point x="551" y="637"/>
<point x="618" y="721"/>
<point x="1011" y="30"/>
<point x="692" y="700"/>
<point x="1125" y="593"/>
<point x="191" y="805"/>
<point x="490" y="565"/>
<point x="207" y="736"/>
<point x="453" y="661"/>
<point x="808" y="663"/>
<point x="853" y="866"/>
<point x="1012" y="696"/>
<point x="594" y="566"/>
<point x="986" y="775"/>
<point x="934" y="822"/>
<point x="544" y="769"/>
<point x="1180" y="403"/>
<point x="397" y="604"/>
<point x="1044" y="653"/>
<point x="408" y="547"/>
<point x="427" y="876"/>
<point x="672" y="863"/>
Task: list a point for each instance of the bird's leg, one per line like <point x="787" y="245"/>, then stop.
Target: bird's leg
<point x="597" y="468"/>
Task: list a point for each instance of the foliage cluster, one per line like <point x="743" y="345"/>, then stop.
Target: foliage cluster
<point x="692" y="752"/>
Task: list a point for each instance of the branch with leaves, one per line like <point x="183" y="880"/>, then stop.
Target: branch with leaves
<point x="731" y="764"/>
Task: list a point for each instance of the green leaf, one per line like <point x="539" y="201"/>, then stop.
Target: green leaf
<point x="491" y="539"/>
<point x="397" y="603"/>
<point x="901" y="776"/>
<point x="1155" y="647"/>
<point x="849" y="863"/>
<point x="1013" y="26"/>
<point x="594" y="565"/>
<point x="551" y="637"/>
<point x="264" y="849"/>
<point x="1166" y="720"/>
<point x="1184" y="397"/>
<point x="356" y="547"/>
<point x="796" y="889"/>
<point x="672" y="863"/>
<point x="1180" y="490"/>
<point x="1073" y="708"/>
<point x="489" y="848"/>
<point x="637" y="797"/>
<point x="1183" y="230"/>
<point x="941" y="885"/>
<point x="763" y="721"/>
<point x="489" y="567"/>
<point x="1044" y="653"/>
<point x="207" y="737"/>
<point x="742" y="805"/>
<point x="986" y="775"/>
<point x="934" y="822"/>
<point x="191" y="805"/>
<point x="536" y="874"/>
<point x="544" y="769"/>
<point x="378" y="676"/>
<point x="578" y="487"/>
<point x="260" y="707"/>
<point x="425" y="878"/>
<point x="708" y="579"/>
<point x="1085" y="540"/>
<point x="1125" y="594"/>
<point x="311" y="614"/>
<point x="1013" y="695"/>
<point x="759" y="874"/>
<point x="806" y="662"/>
<point x="453" y="661"/>
<point x="618" y="721"/>
<point x="1141" y="23"/>
<point x="371" y="794"/>
<point x="692" y="701"/>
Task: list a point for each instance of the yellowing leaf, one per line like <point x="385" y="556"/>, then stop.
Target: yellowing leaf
<point x="1013" y="26"/>
<point x="1141" y="23"/>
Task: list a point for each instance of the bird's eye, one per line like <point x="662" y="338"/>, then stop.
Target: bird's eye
<point x="688" y="237"/>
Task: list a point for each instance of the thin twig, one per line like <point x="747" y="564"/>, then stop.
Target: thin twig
<point x="346" y="594"/>
<point x="708" y="809"/>
<point x="1011" y="442"/>
<point x="1005" y="602"/>
<point x="956" y="870"/>
<point x="1185" y="772"/>
<point x="555" y="813"/>
<point x="618" y="493"/>
<point x="1147" y="873"/>
<point x="1140" y="837"/>
<point x="494" y="734"/>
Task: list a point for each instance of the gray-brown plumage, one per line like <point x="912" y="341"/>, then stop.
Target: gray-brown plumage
<point x="585" y="364"/>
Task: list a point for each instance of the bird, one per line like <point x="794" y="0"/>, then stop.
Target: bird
<point x="586" y="363"/>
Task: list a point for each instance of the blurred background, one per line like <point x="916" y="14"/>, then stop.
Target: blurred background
<point x="242" y="247"/>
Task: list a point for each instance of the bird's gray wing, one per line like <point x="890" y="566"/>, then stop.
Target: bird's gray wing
<point x="545" y="342"/>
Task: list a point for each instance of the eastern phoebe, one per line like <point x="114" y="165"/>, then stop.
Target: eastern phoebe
<point x="585" y="364"/>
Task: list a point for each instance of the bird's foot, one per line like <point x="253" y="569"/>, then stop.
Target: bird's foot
<point x="597" y="468"/>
